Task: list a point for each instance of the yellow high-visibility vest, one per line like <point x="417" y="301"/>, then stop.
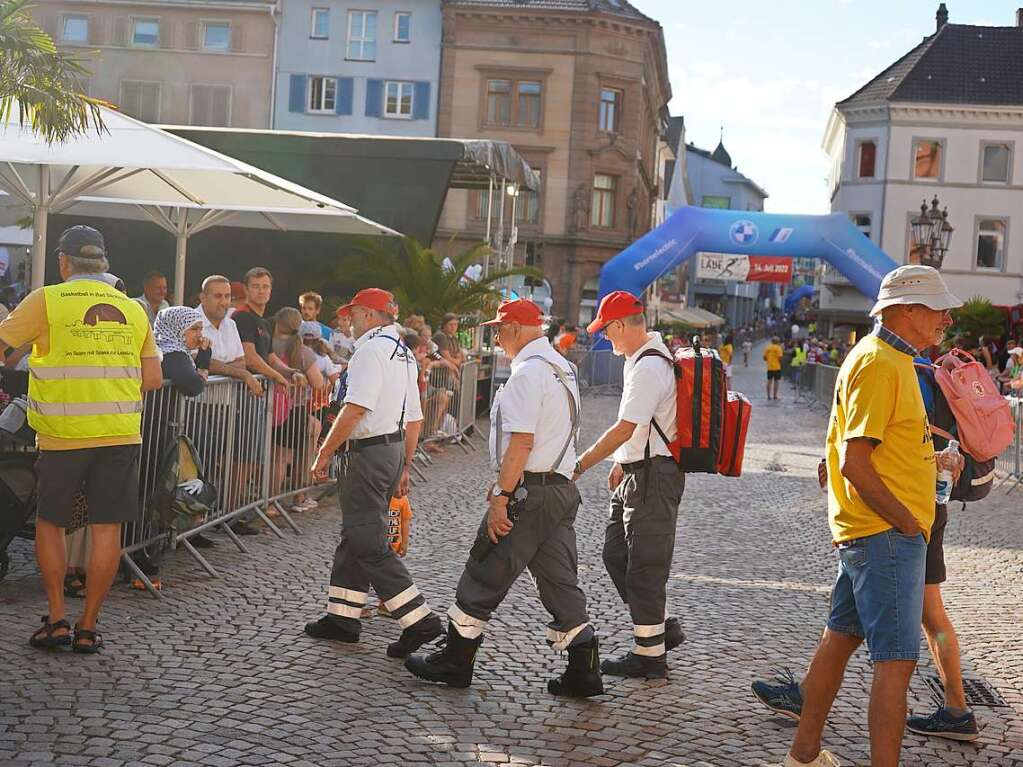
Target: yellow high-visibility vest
<point x="89" y="384"/>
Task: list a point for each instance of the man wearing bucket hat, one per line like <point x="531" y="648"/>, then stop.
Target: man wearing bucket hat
<point x="645" y="483"/>
<point x="380" y="421"/>
<point x="531" y="516"/>
<point x="881" y="502"/>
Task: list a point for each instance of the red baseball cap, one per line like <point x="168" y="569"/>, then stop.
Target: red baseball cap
<point x="238" y="290"/>
<point x="372" y="298"/>
<point x="342" y="311"/>
<point x="521" y="310"/>
<point x="615" y="306"/>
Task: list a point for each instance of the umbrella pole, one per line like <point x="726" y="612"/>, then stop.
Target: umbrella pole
<point x="179" y="267"/>
<point x="40" y="218"/>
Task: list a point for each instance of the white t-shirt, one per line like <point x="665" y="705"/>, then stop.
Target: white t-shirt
<point x="383" y="377"/>
<point x="224" y="341"/>
<point x="649" y="393"/>
<point x="534" y="401"/>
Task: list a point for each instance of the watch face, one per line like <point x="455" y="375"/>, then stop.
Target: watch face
<point x="496" y="490"/>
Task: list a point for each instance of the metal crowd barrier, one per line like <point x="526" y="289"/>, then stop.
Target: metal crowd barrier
<point x="600" y="371"/>
<point x="1009" y="462"/>
<point x="449" y="409"/>
<point x="814" y="385"/>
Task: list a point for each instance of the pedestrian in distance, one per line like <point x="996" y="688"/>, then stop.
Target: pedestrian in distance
<point x="530" y="521"/>
<point x="93" y="356"/>
<point x="881" y="507"/>
<point x="772" y="356"/>
<point x="380" y="421"/>
<point x="646" y="485"/>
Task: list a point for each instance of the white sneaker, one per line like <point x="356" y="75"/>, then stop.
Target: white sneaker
<point x="824" y="759"/>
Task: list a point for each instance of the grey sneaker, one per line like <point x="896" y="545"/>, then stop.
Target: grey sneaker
<point x="942" y="724"/>
<point x="783" y="697"/>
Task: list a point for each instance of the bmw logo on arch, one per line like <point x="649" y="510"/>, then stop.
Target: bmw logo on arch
<point x="744" y="233"/>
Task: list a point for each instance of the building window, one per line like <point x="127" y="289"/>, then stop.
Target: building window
<point x="320" y="24"/>
<point x="482" y="207"/>
<point x="210" y="105"/>
<point x="141" y="100"/>
<point x="76" y="29"/>
<point x="145" y="33"/>
<point x="529" y="105"/>
<point x="322" y="94"/>
<point x="862" y="221"/>
<point x="995" y="162"/>
<point x="867" y="161"/>
<point x="216" y="35"/>
<point x="399" y="100"/>
<point x="716" y="201"/>
<point x="610" y="107"/>
<point x="927" y="159"/>
<point x="602" y="213"/>
<point x="534" y="258"/>
<point x="528" y="211"/>
<point x="514" y="104"/>
<point x="362" y="36"/>
<point x="499" y="102"/>
<point x="403" y="27"/>
<point x="990" y="243"/>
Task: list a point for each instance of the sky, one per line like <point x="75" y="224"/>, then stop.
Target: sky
<point x="770" y="72"/>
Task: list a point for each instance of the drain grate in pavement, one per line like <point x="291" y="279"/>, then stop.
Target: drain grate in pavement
<point x="978" y="692"/>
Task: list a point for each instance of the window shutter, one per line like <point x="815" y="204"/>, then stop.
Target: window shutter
<point x="343" y="98"/>
<point x="97" y="30"/>
<point x="189" y="35"/>
<point x="374" y="98"/>
<point x="421" y="101"/>
<point x="296" y="97"/>
<point x="166" y="33"/>
<point x="237" y="37"/>
<point x="121" y="32"/>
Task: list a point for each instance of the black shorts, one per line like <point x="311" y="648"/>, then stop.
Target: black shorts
<point x="773" y="375"/>
<point x="108" y="476"/>
<point x="935" y="569"/>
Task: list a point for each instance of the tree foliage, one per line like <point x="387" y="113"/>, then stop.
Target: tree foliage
<point x="977" y="317"/>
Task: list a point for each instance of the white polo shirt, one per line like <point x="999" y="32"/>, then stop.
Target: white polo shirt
<point x="649" y="393"/>
<point x="382" y="377"/>
<point x="224" y="341"/>
<point x="534" y="401"/>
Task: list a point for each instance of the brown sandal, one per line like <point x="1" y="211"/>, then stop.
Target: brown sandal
<point x="44" y="638"/>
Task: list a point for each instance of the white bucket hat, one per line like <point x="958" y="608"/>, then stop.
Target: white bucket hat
<point x="914" y="284"/>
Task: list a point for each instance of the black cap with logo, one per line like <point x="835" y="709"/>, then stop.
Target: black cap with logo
<point x="82" y="242"/>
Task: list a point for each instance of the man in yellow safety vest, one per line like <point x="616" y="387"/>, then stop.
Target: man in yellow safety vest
<point x="93" y="355"/>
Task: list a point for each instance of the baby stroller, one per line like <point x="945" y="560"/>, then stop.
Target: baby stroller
<point x="17" y="466"/>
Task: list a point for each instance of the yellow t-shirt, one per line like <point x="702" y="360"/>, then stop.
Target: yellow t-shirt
<point x="28" y="324"/>
<point x="877" y="396"/>
<point x="772" y="355"/>
<point x="726" y="353"/>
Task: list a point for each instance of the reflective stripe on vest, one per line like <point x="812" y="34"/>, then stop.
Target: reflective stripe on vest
<point x="88" y="385"/>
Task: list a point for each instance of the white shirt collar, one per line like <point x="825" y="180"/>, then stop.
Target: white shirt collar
<point x="537" y="346"/>
<point x="654" y="341"/>
<point x="373" y="333"/>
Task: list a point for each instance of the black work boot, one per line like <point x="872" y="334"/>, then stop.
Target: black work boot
<point x="415" y="636"/>
<point x="329" y="627"/>
<point x="639" y="666"/>
<point x="673" y="634"/>
<point x="582" y="677"/>
<point x="452" y="664"/>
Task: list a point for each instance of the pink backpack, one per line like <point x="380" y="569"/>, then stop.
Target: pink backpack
<point x="983" y="418"/>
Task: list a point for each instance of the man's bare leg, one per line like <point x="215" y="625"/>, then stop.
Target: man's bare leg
<point x="888" y="710"/>
<point x="944" y="645"/>
<point x="104" y="560"/>
<point x="51" y="554"/>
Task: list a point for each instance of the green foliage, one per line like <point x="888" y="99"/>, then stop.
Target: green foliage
<point x="45" y="83"/>
<point x="418" y="280"/>
<point x="977" y="317"/>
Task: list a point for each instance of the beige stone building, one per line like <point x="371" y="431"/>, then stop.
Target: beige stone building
<point x="580" y="88"/>
<point x="166" y="61"/>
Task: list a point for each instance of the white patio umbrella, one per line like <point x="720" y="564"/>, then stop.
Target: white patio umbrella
<point x="133" y="170"/>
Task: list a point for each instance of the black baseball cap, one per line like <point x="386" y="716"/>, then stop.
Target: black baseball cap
<point x="82" y="242"/>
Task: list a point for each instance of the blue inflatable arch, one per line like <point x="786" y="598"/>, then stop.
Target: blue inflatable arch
<point x="691" y="230"/>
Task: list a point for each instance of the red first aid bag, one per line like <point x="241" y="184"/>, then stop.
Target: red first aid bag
<point x="734" y="426"/>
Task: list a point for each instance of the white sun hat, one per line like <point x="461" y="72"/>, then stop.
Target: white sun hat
<point x="914" y="284"/>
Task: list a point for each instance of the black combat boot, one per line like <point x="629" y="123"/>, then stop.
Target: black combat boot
<point x="673" y="634"/>
<point x="639" y="666"/>
<point x="582" y="677"/>
<point x="452" y="664"/>
<point x="415" y="636"/>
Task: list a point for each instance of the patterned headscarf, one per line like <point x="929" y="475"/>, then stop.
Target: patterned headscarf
<point x="170" y="326"/>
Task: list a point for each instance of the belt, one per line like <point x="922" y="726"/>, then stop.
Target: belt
<point x="383" y="439"/>
<point x="544" y="478"/>
<point x="632" y="468"/>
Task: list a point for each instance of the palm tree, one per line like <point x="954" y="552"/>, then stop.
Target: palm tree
<point x="45" y="83"/>
<point x="419" y="281"/>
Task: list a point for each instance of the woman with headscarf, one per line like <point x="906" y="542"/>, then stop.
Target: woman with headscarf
<point x="178" y="332"/>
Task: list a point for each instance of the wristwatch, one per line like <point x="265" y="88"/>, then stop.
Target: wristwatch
<point x="496" y="490"/>
<point x="578" y="466"/>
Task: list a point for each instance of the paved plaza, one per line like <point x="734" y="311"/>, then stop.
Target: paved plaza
<point x="219" y="673"/>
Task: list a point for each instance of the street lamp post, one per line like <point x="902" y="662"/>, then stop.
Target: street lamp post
<point x="931" y="234"/>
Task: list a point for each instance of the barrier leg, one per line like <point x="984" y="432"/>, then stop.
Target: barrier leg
<point x="287" y="517"/>
<point x="233" y="536"/>
<point x="141" y="575"/>
<point x="268" y="522"/>
<point x="199" y="558"/>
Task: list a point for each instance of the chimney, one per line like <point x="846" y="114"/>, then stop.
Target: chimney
<point x="1019" y="18"/>
<point x="941" y="16"/>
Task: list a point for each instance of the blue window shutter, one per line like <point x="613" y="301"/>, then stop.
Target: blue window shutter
<point x="343" y="100"/>
<point x="421" y="102"/>
<point x="296" y="98"/>
<point x="374" y="98"/>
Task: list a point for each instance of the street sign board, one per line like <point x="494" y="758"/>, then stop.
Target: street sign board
<point x="734" y="268"/>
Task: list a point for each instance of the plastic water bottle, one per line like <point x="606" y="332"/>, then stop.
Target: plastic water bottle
<point x="944" y="488"/>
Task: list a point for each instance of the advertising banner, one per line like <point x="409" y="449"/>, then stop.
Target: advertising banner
<point x="736" y="268"/>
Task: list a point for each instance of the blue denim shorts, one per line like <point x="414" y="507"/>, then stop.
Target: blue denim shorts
<point x="879" y="593"/>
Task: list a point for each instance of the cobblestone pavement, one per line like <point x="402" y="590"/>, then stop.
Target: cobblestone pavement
<point x="219" y="673"/>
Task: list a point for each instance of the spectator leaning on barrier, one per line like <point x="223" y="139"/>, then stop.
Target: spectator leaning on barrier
<point x="645" y="483"/>
<point x="178" y="332"/>
<point x="93" y="355"/>
<point x="881" y="498"/>
<point x="228" y="356"/>
<point x="310" y="303"/>
<point x="435" y="400"/>
<point x="446" y="338"/>
<point x="154" y="295"/>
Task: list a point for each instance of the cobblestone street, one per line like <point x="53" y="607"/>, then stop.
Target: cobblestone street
<point x="219" y="673"/>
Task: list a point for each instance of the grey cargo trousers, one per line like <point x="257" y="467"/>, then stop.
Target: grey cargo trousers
<point x="543" y="540"/>
<point x="639" y="542"/>
<point x="363" y="557"/>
